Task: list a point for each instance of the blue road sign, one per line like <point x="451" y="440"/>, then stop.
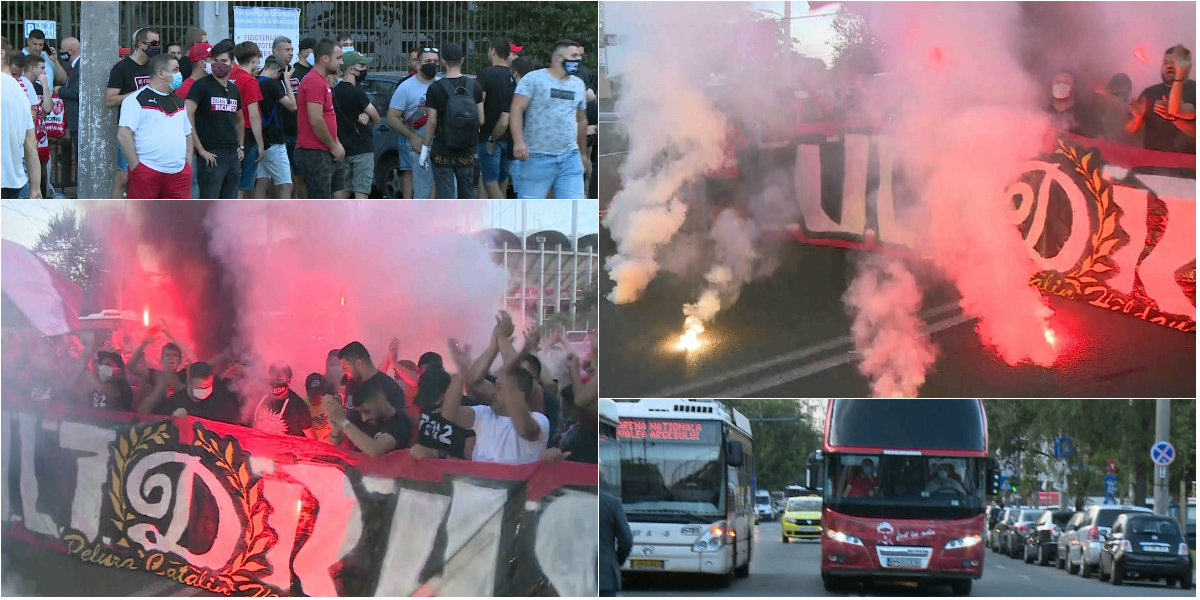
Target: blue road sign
<point x="1064" y="447"/>
<point x="1162" y="453"/>
<point x="1110" y="486"/>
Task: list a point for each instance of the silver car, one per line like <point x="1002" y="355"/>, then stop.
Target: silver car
<point x="1083" y="544"/>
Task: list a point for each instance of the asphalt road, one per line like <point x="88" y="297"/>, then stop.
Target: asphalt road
<point x="32" y="570"/>
<point x="793" y="569"/>
<point x="788" y="337"/>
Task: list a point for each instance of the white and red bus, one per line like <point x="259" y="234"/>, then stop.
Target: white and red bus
<point x="904" y="491"/>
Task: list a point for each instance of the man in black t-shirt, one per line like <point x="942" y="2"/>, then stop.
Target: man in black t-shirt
<point x="205" y="398"/>
<point x="437" y="437"/>
<point x="214" y="107"/>
<point x="279" y="98"/>
<point x="129" y="75"/>
<point x="282" y="411"/>
<point x="1165" y="131"/>
<point x="495" y="140"/>
<point x="453" y="170"/>
<point x="109" y="389"/>
<point x="357" y="366"/>
<point x="355" y="117"/>
<point x="384" y="428"/>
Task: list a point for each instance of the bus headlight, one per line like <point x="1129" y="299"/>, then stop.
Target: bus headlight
<point x="963" y="542"/>
<point x="844" y="538"/>
<point x="711" y="539"/>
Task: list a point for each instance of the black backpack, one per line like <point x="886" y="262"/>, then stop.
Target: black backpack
<point x="460" y="129"/>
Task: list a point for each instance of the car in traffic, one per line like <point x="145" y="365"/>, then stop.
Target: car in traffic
<point x="379" y="87"/>
<point x="998" y="533"/>
<point x="763" y="511"/>
<point x="1064" y="539"/>
<point x="1042" y="542"/>
<point x="1014" y="536"/>
<point x="1146" y="546"/>
<point x="801" y="518"/>
<point x="1083" y="544"/>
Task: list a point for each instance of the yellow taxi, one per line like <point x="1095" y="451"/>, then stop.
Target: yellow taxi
<point x="801" y="518"/>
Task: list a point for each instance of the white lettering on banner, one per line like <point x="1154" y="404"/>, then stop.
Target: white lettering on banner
<point x="854" y="183"/>
<point x="91" y="471"/>
<point x="559" y="555"/>
<point x="138" y="485"/>
<point x="34" y="520"/>
<point x="1158" y="270"/>
<point x="50" y="28"/>
<point x="473" y="540"/>
<point x="885" y="203"/>
<point x="334" y="534"/>
<point x="1070" y="253"/>
<point x="1133" y="204"/>
<point x="285" y="498"/>
<point x="415" y="525"/>
<point x="262" y="25"/>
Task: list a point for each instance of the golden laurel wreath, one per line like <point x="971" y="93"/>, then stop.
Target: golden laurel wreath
<point x="139" y="440"/>
<point x="250" y="561"/>
<point x="1105" y="237"/>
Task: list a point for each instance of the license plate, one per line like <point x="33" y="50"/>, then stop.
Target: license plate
<point x="1155" y="548"/>
<point x="809" y="528"/>
<point x="903" y="562"/>
<point x="642" y="563"/>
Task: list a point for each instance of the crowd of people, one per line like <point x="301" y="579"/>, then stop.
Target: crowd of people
<point x="540" y="404"/>
<point x="222" y="121"/>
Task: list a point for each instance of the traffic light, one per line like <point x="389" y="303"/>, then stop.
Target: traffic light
<point x="995" y="480"/>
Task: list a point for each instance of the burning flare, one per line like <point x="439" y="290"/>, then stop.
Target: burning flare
<point x="690" y="340"/>
<point x="146" y="317"/>
<point x="1051" y="337"/>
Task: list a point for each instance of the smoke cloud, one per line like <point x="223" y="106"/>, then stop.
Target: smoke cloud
<point x="884" y="299"/>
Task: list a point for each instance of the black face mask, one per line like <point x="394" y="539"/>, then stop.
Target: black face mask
<point x="153" y="51"/>
<point x="63" y="56"/>
<point x="429" y="70"/>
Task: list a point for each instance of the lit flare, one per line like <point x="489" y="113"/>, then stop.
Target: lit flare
<point x="146" y="317"/>
<point x="690" y="340"/>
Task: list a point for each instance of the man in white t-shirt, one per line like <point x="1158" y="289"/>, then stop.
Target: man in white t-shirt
<point x="506" y="432"/>
<point x="156" y="135"/>
<point x="18" y="137"/>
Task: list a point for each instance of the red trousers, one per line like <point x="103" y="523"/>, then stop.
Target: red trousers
<point x="145" y="182"/>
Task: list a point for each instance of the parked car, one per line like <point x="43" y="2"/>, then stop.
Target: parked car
<point x="1014" y="537"/>
<point x="1146" y="546"/>
<point x="996" y="538"/>
<point x="1083" y="549"/>
<point x="379" y="87"/>
<point x="1064" y="539"/>
<point x="1042" y="542"/>
<point x="763" y="511"/>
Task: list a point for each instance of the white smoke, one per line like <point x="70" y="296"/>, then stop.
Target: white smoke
<point x="884" y="299"/>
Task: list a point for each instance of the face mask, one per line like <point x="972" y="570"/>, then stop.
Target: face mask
<point x="64" y="56"/>
<point x="208" y="68"/>
<point x="306" y="60"/>
<point x="176" y="80"/>
<point x="572" y="66"/>
<point x="942" y="475"/>
<point x="201" y="393"/>
<point x="279" y="391"/>
<point x="220" y="70"/>
<point x="1061" y="91"/>
<point x="429" y="70"/>
<point x="105" y="372"/>
<point x="153" y="51"/>
<point x="346" y="49"/>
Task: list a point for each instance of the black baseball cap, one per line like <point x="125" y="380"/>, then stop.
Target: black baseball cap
<point x="113" y="356"/>
<point x="452" y="52"/>
<point x="314" y="382"/>
<point x="429" y="358"/>
<point x="308" y="43"/>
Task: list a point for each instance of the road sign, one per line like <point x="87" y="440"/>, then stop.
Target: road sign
<point x="1162" y="472"/>
<point x="1064" y="447"/>
<point x="1112" y="466"/>
<point x="1162" y="453"/>
<point x="1110" y="486"/>
<point x="50" y="28"/>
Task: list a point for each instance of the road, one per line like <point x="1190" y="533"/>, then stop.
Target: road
<point x="793" y="569"/>
<point x="788" y="337"/>
<point x="32" y="570"/>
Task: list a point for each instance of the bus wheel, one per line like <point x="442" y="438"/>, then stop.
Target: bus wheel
<point x="961" y="587"/>
<point x="832" y="584"/>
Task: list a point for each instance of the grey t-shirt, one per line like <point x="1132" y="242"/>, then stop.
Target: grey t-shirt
<point x="408" y="97"/>
<point x="549" y="122"/>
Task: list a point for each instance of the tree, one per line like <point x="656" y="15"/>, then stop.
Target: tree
<point x="855" y="50"/>
<point x="69" y="245"/>
<point x="537" y="25"/>
<point x="781" y="448"/>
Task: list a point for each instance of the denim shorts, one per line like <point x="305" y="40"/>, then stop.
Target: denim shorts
<point x="404" y="147"/>
<point x="494" y="166"/>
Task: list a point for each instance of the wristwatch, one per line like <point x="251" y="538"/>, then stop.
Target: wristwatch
<point x="345" y="423"/>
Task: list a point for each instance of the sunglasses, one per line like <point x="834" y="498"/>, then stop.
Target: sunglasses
<point x="430" y="50"/>
<point x="153" y="44"/>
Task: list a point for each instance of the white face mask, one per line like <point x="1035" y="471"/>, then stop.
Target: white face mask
<point x="105" y="372"/>
<point x="1061" y="90"/>
<point x="208" y="67"/>
<point x="943" y="474"/>
<point x="346" y="49"/>
<point x="201" y="393"/>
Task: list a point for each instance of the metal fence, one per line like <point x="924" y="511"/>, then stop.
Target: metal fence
<point x="384" y="30"/>
<point x="545" y="282"/>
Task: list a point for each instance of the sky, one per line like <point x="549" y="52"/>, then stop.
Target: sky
<point x="23" y="220"/>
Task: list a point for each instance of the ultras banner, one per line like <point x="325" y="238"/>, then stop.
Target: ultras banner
<point x="1110" y="225"/>
<point x="235" y="511"/>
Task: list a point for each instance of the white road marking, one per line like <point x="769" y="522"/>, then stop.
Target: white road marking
<point x="617" y="153"/>
<point x="685" y="389"/>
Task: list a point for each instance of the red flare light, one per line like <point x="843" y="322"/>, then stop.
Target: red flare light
<point x="343" y="300"/>
<point x="936" y="55"/>
<point x="1139" y="52"/>
<point x="146" y="317"/>
<point x="1051" y="337"/>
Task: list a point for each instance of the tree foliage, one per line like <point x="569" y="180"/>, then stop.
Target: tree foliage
<point x="537" y="25"/>
<point x="855" y="50"/>
<point x="69" y="245"/>
<point x="1021" y="434"/>
<point x="781" y="447"/>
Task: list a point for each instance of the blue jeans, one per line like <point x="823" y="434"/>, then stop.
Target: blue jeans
<point x="249" y="166"/>
<point x="494" y="166"/>
<point x="541" y="172"/>
<point x="422" y="178"/>
<point x="221" y="181"/>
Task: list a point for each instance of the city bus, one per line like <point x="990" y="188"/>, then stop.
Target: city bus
<point x="609" y="454"/>
<point x="903" y="492"/>
<point x="687" y="487"/>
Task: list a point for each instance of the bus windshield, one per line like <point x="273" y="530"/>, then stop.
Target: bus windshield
<point x="672" y="468"/>
<point x="914" y="487"/>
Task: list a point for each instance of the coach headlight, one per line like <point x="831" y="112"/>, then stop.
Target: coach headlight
<point x="712" y="538"/>
<point x="963" y="542"/>
<point x="844" y="538"/>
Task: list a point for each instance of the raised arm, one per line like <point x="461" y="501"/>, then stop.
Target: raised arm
<point x="514" y="399"/>
<point x="452" y="408"/>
